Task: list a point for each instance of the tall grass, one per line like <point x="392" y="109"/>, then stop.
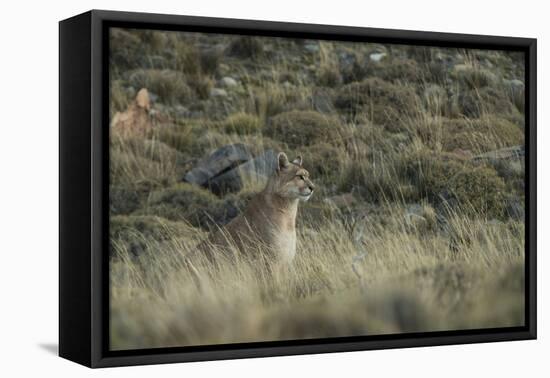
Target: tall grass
<point x="380" y="278"/>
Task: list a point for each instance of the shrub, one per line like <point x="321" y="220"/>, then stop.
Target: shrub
<point x="124" y="47"/>
<point x="246" y="47"/>
<point x="474" y="190"/>
<point x="377" y="181"/>
<point x="478" y="191"/>
<point x="169" y="85"/>
<point x="474" y="135"/>
<point x="210" y="60"/>
<point x="436" y="100"/>
<point x="123" y="200"/>
<point x="120" y="97"/>
<point x="242" y="124"/>
<point x="322" y="160"/>
<point x="190" y="203"/>
<point x="488" y="100"/>
<point x="134" y="161"/>
<point x="378" y="101"/>
<point x="305" y="128"/>
<point x="473" y="77"/>
<point x="135" y="232"/>
<point x="397" y="71"/>
<point x="329" y="76"/>
<point x="187" y="139"/>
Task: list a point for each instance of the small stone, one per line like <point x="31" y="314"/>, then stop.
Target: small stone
<point x="181" y="111"/>
<point x="218" y="92"/>
<point x="312" y="47"/>
<point x="377" y="56"/>
<point x="228" y="82"/>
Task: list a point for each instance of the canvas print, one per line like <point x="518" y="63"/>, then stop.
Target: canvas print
<point x="272" y="189"/>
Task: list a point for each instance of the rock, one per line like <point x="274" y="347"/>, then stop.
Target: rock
<point x="181" y="111"/>
<point x="514" y="84"/>
<point x="312" y="47"/>
<point x="322" y="101"/>
<point x="255" y="170"/>
<point x="463" y="154"/>
<point x="135" y="120"/>
<point x="287" y="85"/>
<point x="515" y="209"/>
<point x="420" y="217"/>
<point x="514" y="152"/>
<point x="220" y="161"/>
<point x="228" y="82"/>
<point x="377" y="56"/>
<point x="218" y="92"/>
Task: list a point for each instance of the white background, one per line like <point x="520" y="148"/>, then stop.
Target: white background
<point x="29" y="186"/>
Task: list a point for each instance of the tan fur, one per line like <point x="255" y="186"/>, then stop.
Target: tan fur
<point x="269" y="220"/>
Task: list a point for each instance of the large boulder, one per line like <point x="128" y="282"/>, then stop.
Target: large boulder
<point x="253" y="171"/>
<point x="220" y="161"/>
<point x="228" y="168"/>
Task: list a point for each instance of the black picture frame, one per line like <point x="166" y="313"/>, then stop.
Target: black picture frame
<point x="84" y="193"/>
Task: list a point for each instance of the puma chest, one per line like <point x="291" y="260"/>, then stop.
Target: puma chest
<point x="284" y="245"/>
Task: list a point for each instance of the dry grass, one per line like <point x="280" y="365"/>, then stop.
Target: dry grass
<point x="374" y="279"/>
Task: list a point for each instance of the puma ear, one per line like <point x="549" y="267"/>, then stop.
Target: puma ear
<point x="282" y="160"/>
<point x="298" y="160"/>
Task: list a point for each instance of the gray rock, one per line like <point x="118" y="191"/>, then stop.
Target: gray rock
<point x="322" y="101"/>
<point x="255" y="170"/>
<point x="515" y="209"/>
<point x="228" y="82"/>
<point x="377" y="56"/>
<point x="312" y="47"/>
<point x="181" y="111"/>
<point x="218" y="92"/>
<point x="514" y="152"/>
<point x="220" y="161"/>
<point x="515" y="84"/>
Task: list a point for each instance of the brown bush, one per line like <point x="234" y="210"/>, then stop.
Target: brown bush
<point x="379" y="101"/>
<point x="305" y="128"/>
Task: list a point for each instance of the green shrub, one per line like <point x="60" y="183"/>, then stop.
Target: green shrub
<point x="169" y="85"/>
<point x="187" y="139"/>
<point x="242" y="124"/>
<point x="453" y="184"/>
<point x="134" y="232"/>
<point x="436" y="100"/>
<point x="210" y="61"/>
<point x="247" y="47"/>
<point x="305" y="128"/>
<point x="378" y="101"/>
<point x="192" y="204"/>
<point x="329" y="76"/>
<point x="322" y="160"/>
<point x="120" y="97"/>
<point x="124" y="48"/>
<point x="473" y="77"/>
<point x="488" y="100"/>
<point x="377" y="181"/>
<point x="474" y="135"/>
<point x="397" y="71"/>
<point x="123" y="200"/>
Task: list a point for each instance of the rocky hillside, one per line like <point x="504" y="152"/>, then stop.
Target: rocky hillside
<point x="374" y="123"/>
